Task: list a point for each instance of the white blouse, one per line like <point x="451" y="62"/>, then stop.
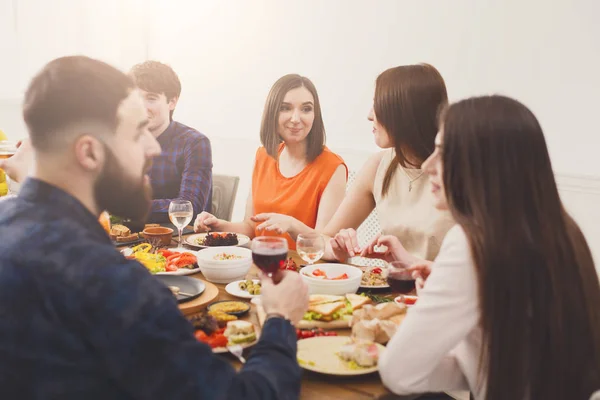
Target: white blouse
<point x="437" y="346"/>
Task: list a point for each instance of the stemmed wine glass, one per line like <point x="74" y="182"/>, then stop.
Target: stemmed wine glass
<point x="180" y="214"/>
<point x="311" y="247"/>
<point x="269" y="253"/>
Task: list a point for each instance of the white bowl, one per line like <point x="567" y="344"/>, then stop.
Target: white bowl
<point x="224" y="271"/>
<point x="326" y="286"/>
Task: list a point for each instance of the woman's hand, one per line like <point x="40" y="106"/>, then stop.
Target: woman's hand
<point x="207" y="222"/>
<point x="394" y="251"/>
<point x="344" y="244"/>
<point x="273" y="222"/>
<point x="421" y="271"/>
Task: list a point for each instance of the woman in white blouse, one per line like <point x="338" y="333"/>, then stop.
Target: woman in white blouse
<point x="510" y="308"/>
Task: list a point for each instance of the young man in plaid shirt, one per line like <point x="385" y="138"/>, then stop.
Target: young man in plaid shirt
<point x="183" y="170"/>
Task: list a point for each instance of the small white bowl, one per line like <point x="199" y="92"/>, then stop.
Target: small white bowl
<point x="224" y="271"/>
<point x="406" y="299"/>
<point x="327" y="286"/>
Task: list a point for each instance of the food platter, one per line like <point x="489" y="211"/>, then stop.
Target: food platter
<point x="374" y="274"/>
<point x="196" y="239"/>
<point x="319" y="354"/>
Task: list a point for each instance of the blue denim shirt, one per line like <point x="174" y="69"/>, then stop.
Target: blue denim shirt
<point x="79" y="321"/>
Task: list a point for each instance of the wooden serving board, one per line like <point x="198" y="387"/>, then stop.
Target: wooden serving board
<point x="194" y="306"/>
<point x="339" y="324"/>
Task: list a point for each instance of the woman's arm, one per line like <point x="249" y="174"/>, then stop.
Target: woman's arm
<point x="208" y="222"/>
<point x="419" y="356"/>
<point x="358" y="203"/>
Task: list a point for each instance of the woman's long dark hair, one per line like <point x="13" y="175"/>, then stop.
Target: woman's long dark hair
<point x="407" y="102"/>
<point x="539" y="290"/>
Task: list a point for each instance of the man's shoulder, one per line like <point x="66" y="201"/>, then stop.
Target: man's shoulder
<point x="188" y="133"/>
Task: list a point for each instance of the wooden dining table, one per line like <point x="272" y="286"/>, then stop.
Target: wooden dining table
<point x="314" y="385"/>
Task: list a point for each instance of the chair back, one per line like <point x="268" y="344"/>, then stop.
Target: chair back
<point x="223" y="197"/>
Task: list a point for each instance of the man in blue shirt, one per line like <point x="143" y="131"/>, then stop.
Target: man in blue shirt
<point x="77" y="319"/>
<point x="183" y="170"/>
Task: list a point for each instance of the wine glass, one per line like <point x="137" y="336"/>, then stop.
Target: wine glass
<point x="180" y="214"/>
<point x="269" y="253"/>
<point x="400" y="278"/>
<point x="311" y="247"/>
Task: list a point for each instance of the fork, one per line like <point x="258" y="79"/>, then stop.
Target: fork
<point x="237" y="351"/>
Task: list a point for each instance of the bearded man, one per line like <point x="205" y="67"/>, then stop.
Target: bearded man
<point x="77" y="319"/>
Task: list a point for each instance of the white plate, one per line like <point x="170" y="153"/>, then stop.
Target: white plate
<point x="375" y="287"/>
<point x="192" y="240"/>
<point x="180" y="272"/>
<point x="234" y="289"/>
<point x="385" y="286"/>
<point x="318" y="354"/>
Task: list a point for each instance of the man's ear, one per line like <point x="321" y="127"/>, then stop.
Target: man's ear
<point x="173" y="103"/>
<point x="89" y="152"/>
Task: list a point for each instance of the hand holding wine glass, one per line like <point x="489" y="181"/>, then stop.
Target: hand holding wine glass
<point x="269" y="253"/>
<point x="180" y="214"/>
<point x="311" y="247"/>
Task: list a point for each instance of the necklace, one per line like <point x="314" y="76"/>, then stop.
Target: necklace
<point x="411" y="180"/>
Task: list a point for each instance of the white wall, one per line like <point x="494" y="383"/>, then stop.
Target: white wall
<point x="229" y="52"/>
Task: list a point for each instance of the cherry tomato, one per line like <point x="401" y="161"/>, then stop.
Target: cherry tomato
<point x="201" y="336"/>
<point x="376" y="270"/>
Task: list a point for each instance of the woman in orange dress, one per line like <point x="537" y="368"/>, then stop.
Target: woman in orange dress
<point x="297" y="182"/>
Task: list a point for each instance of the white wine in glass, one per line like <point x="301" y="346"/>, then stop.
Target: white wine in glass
<point x="310" y="247"/>
<point x="180" y="214"/>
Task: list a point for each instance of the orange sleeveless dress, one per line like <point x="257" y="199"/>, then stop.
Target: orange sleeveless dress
<point x="298" y="196"/>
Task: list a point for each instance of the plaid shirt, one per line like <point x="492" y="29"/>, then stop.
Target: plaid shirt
<point x="79" y="321"/>
<point x="183" y="170"/>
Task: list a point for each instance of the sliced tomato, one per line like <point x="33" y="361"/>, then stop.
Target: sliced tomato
<point x="217" y="340"/>
<point x="170" y="267"/>
<point x="165" y="253"/>
<point x="339" y="278"/>
<point x="318" y="272"/>
<point x="201" y="336"/>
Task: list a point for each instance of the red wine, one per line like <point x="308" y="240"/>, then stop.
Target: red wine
<point x="269" y="260"/>
<point x="401" y="282"/>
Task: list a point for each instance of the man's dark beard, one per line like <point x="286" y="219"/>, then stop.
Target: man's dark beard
<point x="115" y="193"/>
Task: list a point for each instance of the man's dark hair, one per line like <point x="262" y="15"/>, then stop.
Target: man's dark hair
<point x="69" y="91"/>
<point x="156" y="77"/>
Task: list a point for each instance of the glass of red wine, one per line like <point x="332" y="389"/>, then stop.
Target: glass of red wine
<point x="400" y="278"/>
<point x="269" y="253"/>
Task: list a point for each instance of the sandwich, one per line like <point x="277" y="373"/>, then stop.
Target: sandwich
<point x="240" y="332"/>
<point x="326" y="308"/>
<point x="357" y="301"/>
